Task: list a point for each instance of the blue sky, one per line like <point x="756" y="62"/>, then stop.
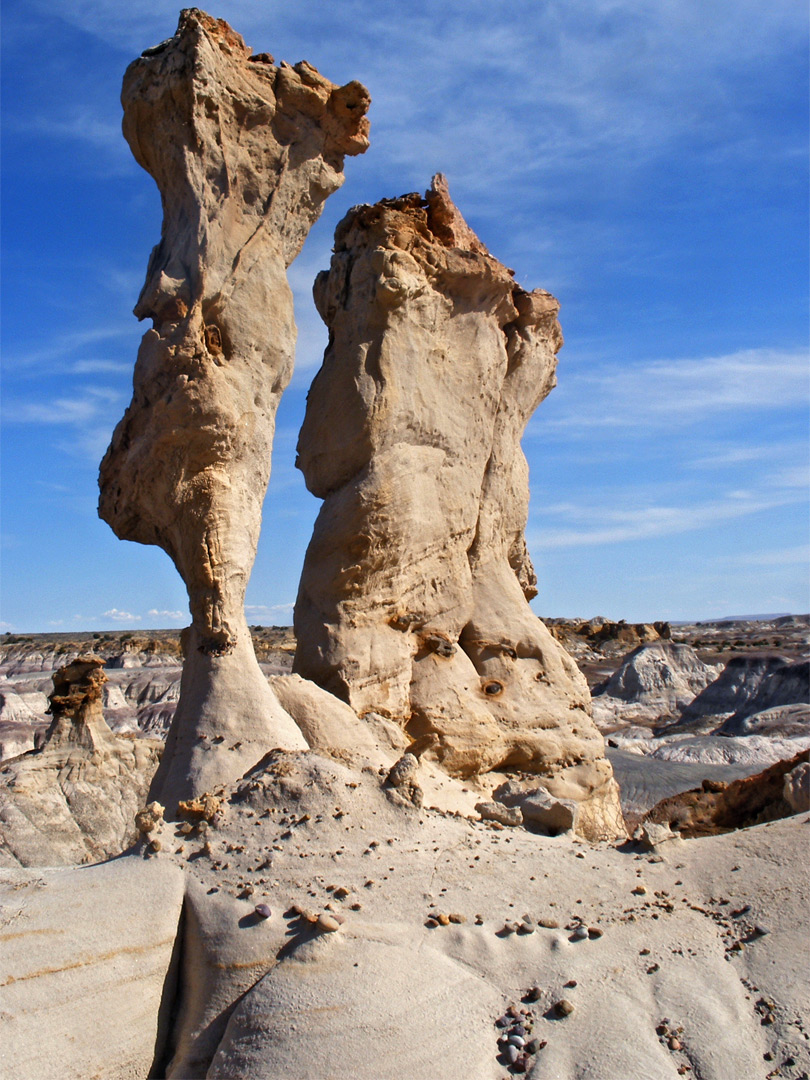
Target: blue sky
<point x="644" y="160"/>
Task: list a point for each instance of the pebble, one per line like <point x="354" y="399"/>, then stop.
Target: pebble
<point x="502" y="1022"/>
<point x="580" y="934"/>
<point x="512" y="1054"/>
<point x="454" y="917"/>
<point x="527" y="926"/>
<point x="535" y="1045"/>
<point x="519" y="1031"/>
<point x="263" y="911"/>
<point x="549" y="924"/>
<point x="517" y="1040"/>
<point x="563" y="1007"/>
<point x="534" y="994"/>
<point x="328" y="923"/>
<point x="443" y="920"/>
<point x="640" y="890"/>
<point x="595" y="932"/>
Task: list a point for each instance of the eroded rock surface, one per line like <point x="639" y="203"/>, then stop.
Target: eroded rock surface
<point x="413" y="601"/>
<point x="718" y="807"/>
<point x="87" y="969"/>
<point x="652" y="684"/>
<point x="74" y="799"/>
<point x="244" y="153"/>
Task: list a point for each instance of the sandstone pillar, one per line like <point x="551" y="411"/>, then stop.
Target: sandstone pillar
<point x="413" y="601"/>
<point x="244" y="153"/>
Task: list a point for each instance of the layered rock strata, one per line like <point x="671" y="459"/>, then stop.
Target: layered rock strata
<point x="244" y="154"/>
<point x="413" y="602"/>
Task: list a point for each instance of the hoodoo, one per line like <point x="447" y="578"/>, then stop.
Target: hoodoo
<point x="413" y="601"/>
<point x="244" y="153"/>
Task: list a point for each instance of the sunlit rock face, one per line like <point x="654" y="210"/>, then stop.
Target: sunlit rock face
<point x="244" y="153"/>
<point x="413" y="601"/>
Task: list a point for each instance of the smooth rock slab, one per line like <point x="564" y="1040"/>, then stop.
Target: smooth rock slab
<point x="379" y="1008"/>
<point x="86" y="955"/>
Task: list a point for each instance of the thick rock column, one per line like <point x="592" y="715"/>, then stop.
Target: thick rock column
<point x="413" y="601"/>
<point x="244" y="154"/>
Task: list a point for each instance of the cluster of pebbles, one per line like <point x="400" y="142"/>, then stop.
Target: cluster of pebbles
<point x="516" y="1046"/>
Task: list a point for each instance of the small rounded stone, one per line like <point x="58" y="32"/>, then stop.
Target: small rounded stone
<point x="327" y="923"/>
<point x="263" y="911"/>
<point x="563" y="1007"/>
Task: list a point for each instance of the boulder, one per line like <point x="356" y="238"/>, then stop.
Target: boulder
<point x="542" y="811"/>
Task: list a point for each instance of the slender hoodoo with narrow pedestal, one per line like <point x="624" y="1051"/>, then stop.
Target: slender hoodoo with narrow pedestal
<point x="245" y="154"/>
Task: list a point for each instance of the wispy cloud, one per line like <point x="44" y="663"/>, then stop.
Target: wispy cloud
<point x="64" y="346"/>
<point x="264" y="610"/>
<point x="79" y="410"/>
<point x="667" y="393"/>
<point x="120" y="616"/>
<point x="590" y="525"/>
<point x="791" y="556"/>
<point x="174" y="615"/>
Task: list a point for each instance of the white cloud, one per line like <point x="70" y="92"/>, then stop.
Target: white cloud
<point x="119" y="616"/>
<point x="791" y="556"/>
<point x="79" y="409"/>
<point x="594" y="525"/>
<point x="100" y="367"/>
<point x="167" y="614"/>
<point x="665" y="393"/>
<point x="67" y="342"/>
<point x="273" y="609"/>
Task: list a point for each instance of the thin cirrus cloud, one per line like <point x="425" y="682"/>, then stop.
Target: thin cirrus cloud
<point x="174" y="615"/>
<point x="505" y="63"/>
<point x="799" y="555"/>
<point x="590" y="525"/>
<point x="80" y="410"/>
<point x="675" y="392"/>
